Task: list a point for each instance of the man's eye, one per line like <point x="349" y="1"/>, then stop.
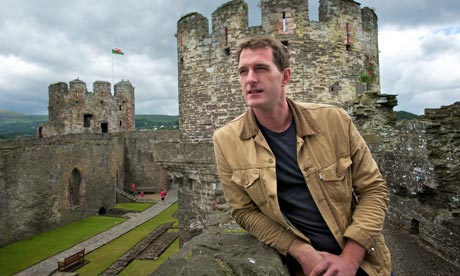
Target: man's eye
<point x="243" y="72"/>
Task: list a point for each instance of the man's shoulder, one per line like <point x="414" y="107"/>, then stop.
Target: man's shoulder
<point x="318" y="109"/>
<point x="317" y="106"/>
<point x="234" y="126"/>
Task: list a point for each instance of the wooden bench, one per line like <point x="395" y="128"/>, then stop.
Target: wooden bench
<point x="73" y="261"/>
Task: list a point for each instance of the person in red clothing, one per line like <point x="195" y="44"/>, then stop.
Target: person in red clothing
<point x="133" y="188"/>
<point x="163" y="195"/>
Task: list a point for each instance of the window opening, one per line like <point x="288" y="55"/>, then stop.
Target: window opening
<point x="104" y="127"/>
<point x="87" y="120"/>
<point x="414" y="226"/>
<point x="348" y="33"/>
<point x="226" y="36"/>
<point x="120" y="122"/>
<point x="284" y="21"/>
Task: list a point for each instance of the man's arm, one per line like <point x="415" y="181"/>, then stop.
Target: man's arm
<point x="373" y="199"/>
<point x="245" y="211"/>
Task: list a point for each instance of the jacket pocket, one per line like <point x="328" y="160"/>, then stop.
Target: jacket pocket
<point x="336" y="180"/>
<point x="249" y="179"/>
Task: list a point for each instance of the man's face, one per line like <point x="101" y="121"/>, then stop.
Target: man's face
<point x="261" y="81"/>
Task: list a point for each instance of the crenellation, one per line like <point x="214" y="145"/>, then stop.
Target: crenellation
<point x="284" y="17"/>
<point x="228" y="21"/>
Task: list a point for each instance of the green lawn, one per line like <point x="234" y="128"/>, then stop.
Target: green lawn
<point x="137" y="207"/>
<point x="20" y="255"/>
<point x="103" y="257"/>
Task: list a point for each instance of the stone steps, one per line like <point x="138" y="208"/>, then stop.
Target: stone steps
<point x="139" y="248"/>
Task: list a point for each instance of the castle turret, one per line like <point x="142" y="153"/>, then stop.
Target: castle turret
<point x="75" y="110"/>
<point x="56" y="93"/>
<point x="124" y="94"/>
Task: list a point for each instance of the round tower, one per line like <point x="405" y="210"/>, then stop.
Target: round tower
<point x="193" y="44"/>
<point x="124" y="95"/>
<point x="56" y="93"/>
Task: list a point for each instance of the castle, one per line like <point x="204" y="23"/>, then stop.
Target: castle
<point x="334" y="60"/>
<point x="72" y="109"/>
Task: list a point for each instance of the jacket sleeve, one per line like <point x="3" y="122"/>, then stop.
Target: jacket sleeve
<point x="244" y="210"/>
<point x="372" y="192"/>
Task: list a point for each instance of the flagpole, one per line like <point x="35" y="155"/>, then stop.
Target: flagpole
<point x="112" y="69"/>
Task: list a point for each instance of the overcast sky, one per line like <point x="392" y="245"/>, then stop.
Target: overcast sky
<point x="49" y="41"/>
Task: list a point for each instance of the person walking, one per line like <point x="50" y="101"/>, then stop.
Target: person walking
<point x="133" y="189"/>
<point x="163" y="195"/>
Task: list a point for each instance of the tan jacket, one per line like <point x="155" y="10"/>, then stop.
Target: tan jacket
<point x="335" y="162"/>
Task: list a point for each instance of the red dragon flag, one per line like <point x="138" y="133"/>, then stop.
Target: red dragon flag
<point x="117" y="51"/>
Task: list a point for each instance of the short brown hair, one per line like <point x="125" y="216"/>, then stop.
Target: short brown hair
<point x="280" y="52"/>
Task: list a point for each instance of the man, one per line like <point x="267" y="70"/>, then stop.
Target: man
<point x="299" y="177"/>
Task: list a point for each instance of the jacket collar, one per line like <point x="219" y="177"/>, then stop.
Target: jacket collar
<point x="303" y="122"/>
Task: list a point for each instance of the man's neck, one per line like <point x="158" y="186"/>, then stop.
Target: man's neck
<point x="276" y="120"/>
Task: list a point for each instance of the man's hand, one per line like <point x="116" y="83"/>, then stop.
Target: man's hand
<point x="344" y="265"/>
<point x="333" y="265"/>
<point x="305" y="255"/>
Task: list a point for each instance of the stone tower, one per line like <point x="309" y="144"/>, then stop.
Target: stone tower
<point x="72" y="109"/>
<point x="333" y="60"/>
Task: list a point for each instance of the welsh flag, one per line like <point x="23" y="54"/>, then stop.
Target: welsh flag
<point x="117" y="51"/>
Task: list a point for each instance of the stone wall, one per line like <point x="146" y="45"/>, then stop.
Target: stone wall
<point x="55" y="181"/>
<point x="141" y="160"/>
<point x="422" y="169"/>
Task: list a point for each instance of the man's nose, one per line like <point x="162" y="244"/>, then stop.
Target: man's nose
<point x="252" y="76"/>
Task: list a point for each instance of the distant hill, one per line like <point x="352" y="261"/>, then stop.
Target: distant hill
<point x="403" y="115"/>
<point x="157" y="122"/>
<point x="14" y="124"/>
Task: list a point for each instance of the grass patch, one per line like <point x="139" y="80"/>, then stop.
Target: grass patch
<point x="103" y="257"/>
<point x="18" y="256"/>
<point x="137" y="207"/>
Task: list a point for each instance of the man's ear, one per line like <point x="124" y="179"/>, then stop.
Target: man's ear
<point x="286" y="77"/>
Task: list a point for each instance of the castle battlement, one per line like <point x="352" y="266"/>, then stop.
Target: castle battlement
<point x="73" y="109"/>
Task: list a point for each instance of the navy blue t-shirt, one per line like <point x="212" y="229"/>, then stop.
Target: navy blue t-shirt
<point x="294" y="198"/>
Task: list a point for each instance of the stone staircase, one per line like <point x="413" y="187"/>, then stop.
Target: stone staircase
<point x="127" y="195"/>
